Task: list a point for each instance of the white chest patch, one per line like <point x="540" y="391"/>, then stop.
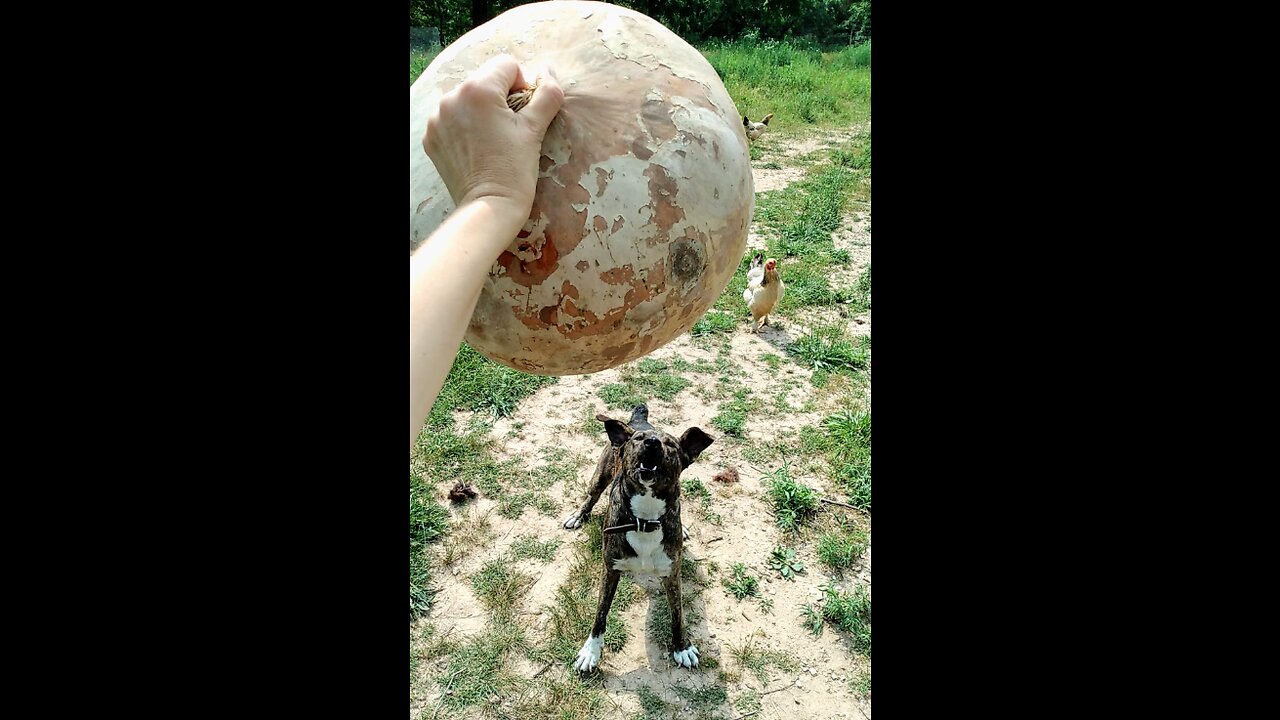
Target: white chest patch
<point x="650" y="558"/>
<point x="647" y="507"/>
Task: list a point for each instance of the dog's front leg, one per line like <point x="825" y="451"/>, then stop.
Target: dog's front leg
<point x="684" y="654"/>
<point x="589" y="655"/>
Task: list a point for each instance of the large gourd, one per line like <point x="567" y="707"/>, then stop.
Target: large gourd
<point x="644" y="191"/>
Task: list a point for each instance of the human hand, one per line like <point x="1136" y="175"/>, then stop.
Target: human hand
<point x="481" y="148"/>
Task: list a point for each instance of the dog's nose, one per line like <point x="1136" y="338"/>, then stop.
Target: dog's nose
<point x="651" y="442"/>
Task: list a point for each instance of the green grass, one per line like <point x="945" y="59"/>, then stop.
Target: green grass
<point x="813" y="620"/>
<point x="642" y="381"/>
<point x="703" y="700"/>
<point x="418" y="61"/>
<point x="861" y="300"/>
<point x="859" y="159"/>
<point x="512" y="504"/>
<point x="478" y="669"/>
<point x="517" y="488"/>
<point x="714" y="322"/>
<point x="428" y="522"/>
<point x="740" y="584"/>
<point x="839" y="550"/>
<point x="851" y="612"/>
<point x="697" y="491"/>
<point x="468" y="531"/>
<point x="477" y="383"/>
<point x="861" y="684"/>
<point x="794" y="504"/>
<point x="528" y="547"/>
<point x="652" y="706"/>
<point x="748" y="703"/>
<point x="830" y="349"/>
<point x="694" y="488"/>
<point x="758" y="659"/>
<point x="587" y="423"/>
<point x="801" y="87"/>
<point x="732" y="418"/>
<point x="499" y="587"/>
<point x="845" y="440"/>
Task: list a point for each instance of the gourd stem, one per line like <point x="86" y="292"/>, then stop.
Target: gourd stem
<point x="517" y="100"/>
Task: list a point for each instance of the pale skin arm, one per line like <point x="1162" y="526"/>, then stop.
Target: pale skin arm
<point x="487" y="156"/>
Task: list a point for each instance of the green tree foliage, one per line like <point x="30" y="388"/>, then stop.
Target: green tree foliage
<point x="821" y="22"/>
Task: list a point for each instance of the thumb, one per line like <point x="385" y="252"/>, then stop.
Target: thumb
<point x="545" y="103"/>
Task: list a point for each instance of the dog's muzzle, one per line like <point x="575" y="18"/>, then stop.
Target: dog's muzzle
<point x="645" y="474"/>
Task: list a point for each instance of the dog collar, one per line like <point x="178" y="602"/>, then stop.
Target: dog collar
<point x="639" y="526"/>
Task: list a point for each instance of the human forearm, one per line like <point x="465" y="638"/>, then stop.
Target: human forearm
<point x="445" y="278"/>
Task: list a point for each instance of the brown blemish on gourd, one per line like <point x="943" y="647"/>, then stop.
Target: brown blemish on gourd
<point x="619" y="352"/>
<point x="602" y="179"/>
<point x="617" y="224"/>
<point x="640" y="149"/>
<point x="533" y="272"/>
<point x="662" y="196"/>
<point x="618" y="276"/>
<point x="582" y="265"/>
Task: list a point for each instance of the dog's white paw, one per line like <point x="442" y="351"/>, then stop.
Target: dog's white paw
<point x="573" y="522"/>
<point x="687" y="658"/>
<point x="589" y="655"/>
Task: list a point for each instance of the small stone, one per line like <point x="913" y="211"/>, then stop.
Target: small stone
<point x="713" y="634"/>
<point x="800" y="684"/>
<point x="797" y="701"/>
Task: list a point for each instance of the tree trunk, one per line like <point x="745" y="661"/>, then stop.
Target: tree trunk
<point x="481" y="12"/>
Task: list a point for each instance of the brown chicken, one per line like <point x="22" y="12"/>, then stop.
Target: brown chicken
<point x="764" y="290"/>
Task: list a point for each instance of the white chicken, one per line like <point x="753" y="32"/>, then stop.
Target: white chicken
<point x="756" y="129"/>
<point x="764" y="290"/>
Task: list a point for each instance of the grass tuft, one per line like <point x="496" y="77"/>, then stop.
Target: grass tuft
<point x="499" y="587"/>
<point x="740" y="584"/>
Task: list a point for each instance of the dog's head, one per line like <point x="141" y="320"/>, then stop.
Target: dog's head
<point x="650" y="457"/>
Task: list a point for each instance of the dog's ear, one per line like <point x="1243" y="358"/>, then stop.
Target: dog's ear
<point x="692" y="443"/>
<point x="618" y="432"/>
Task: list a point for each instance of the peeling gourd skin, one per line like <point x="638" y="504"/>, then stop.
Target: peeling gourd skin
<point x="644" y="190"/>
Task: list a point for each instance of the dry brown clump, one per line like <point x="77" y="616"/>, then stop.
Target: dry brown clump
<point x="461" y="492"/>
<point x="727" y="475"/>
